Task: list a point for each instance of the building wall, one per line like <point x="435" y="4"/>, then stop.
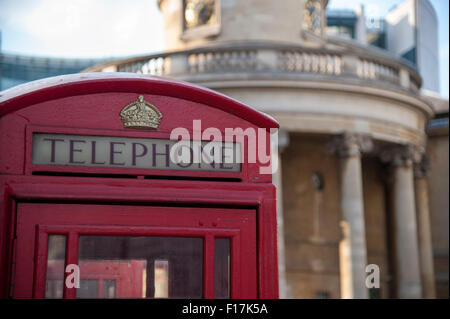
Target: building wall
<point x="247" y="20"/>
<point x="438" y="184"/>
<point x="321" y="107"/>
<point x="428" y="52"/>
<point x="311" y="218"/>
<point x="375" y="221"/>
<point x="18" y="69"/>
<point x="401" y="24"/>
<point x="412" y="25"/>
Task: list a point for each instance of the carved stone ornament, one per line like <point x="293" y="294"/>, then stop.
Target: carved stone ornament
<point x="140" y="114"/>
<point x="199" y="12"/>
<point x="402" y="155"/>
<point x="422" y="168"/>
<point x="350" y="144"/>
<point x="312" y="16"/>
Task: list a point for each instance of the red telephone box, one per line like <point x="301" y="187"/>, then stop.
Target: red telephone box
<point x="93" y="204"/>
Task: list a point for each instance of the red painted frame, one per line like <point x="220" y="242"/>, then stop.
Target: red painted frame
<point x="58" y="105"/>
<point x="34" y="230"/>
<point x="152" y="192"/>
<point x="30" y="167"/>
<point x="108" y="270"/>
<point x="47" y="105"/>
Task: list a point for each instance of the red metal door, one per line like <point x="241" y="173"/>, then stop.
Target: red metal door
<point x="135" y="251"/>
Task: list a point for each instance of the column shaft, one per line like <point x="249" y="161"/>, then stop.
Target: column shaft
<point x="277" y="181"/>
<point x="425" y="245"/>
<point x="278" y="144"/>
<point x="407" y="270"/>
<point x="353" y="247"/>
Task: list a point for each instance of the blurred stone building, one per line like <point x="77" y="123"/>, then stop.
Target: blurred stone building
<point x="364" y="151"/>
<point x="16" y="69"/>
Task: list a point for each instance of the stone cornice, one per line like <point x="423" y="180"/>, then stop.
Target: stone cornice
<point x="332" y="124"/>
<point x="315" y="82"/>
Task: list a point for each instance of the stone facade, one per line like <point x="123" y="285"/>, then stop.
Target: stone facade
<point x="311" y="218"/>
<point x="438" y="189"/>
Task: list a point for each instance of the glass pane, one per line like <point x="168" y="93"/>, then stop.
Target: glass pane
<point x="109" y="288"/>
<point x="222" y="268"/>
<point x="56" y="254"/>
<point x="161" y="279"/>
<point x="141" y="267"/>
<point x="88" y="288"/>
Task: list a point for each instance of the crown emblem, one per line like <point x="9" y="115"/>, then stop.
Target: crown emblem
<point x="140" y="114"/>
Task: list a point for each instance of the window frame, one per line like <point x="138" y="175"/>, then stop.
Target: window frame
<point x="38" y="242"/>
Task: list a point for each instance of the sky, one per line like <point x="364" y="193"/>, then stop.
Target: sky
<point x="117" y="28"/>
<point x="379" y="8"/>
<point x="81" y="28"/>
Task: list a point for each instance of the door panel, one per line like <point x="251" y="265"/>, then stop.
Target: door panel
<point x="135" y="251"/>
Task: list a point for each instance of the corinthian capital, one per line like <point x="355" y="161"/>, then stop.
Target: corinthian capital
<point x="350" y="144"/>
<point x="402" y="155"/>
<point x="422" y="168"/>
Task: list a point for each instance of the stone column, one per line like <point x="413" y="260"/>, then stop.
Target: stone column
<point x="352" y="248"/>
<point x="283" y="142"/>
<point x="424" y="228"/>
<point x="406" y="263"/>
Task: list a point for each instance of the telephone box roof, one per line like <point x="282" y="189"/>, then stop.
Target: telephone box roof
<point x="62" y="86"/>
